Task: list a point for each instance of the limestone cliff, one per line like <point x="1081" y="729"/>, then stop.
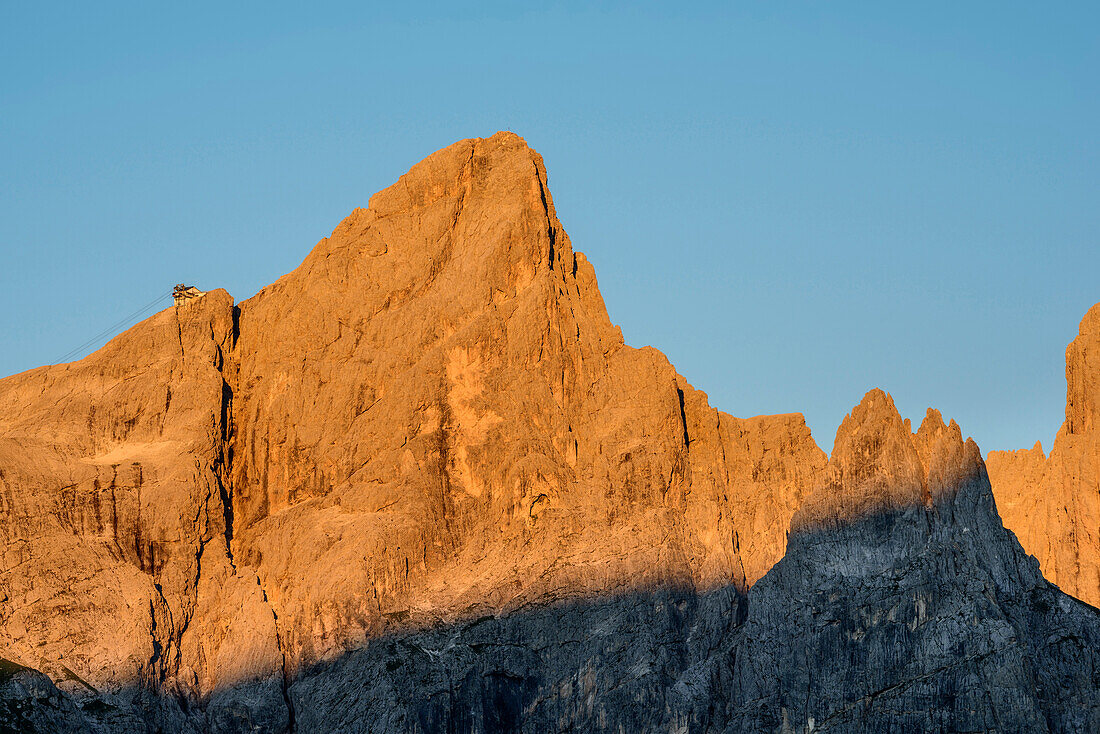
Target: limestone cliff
<point x="420" y="484"/>
<point x="431" y="420"/>
<point x="117" y="573"/>
<point x="902" y="604"/>
<point x="1053" y="503"/>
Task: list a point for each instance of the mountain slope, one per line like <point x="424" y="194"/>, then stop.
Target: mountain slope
<point x="116" y="574"/>
<point x="435" y="417"/>
<point x="918" y="612"/>
<point x="431" y="420"/>
<point x="1053" y="503"/>
<point x="420" y="484"/>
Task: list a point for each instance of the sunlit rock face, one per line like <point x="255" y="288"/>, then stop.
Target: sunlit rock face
<point x="420" y="485"/>
<point x="902" y="603"/>
<point x="116" y="571"/>
<point x="1053" y="503"/>
<point x="432" y="420"/>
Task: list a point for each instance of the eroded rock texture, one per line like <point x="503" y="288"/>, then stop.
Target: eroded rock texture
<point x="420" y="485"/>
<point x="918" y="612"/>
<point x="435" y="416"/>
<point x="431" y="420"/>
<point x="1053" y="503"/>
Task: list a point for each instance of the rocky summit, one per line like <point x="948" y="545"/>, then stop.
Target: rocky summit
<point x="1053" y="503"/>
<point x="420" y="484"/>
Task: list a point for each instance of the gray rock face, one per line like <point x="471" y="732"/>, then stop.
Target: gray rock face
<point x="958" y="634"/>
<point x="29" y="701"/>
<point x="619" y="664"/>
<point x="923" y="616"/>
<point x="639" y="662"/>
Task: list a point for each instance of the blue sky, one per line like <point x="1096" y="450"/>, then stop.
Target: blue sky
<point x="796" y="202"/>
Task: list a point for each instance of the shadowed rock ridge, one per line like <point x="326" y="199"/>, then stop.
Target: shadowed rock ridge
<point x="420" y="484"/>
<point x="902" y="603"/>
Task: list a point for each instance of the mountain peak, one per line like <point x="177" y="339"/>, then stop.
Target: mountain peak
<point x="879" y="465"/>
<point x="425" y="456"/>
<point x="1052" y="502"/>
<point x="503" y="158"/>
<point x="1083" y="376"/>
<point x="874" y="467"/>
<point x="479" y="209"/>
<point x="439" y="382"/>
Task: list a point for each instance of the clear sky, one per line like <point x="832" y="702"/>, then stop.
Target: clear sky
<point x="796" y="202"/>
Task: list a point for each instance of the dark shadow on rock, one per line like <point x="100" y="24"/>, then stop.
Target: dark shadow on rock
<point x="915" y="619"/>
<point x="632" y="662"/>
<point x="921" y="618"/>
<point x="625" y="663"/>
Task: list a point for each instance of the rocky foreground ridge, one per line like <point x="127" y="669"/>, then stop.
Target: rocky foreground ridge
<point x="420" y="484"/>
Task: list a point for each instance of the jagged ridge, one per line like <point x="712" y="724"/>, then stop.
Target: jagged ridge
<point x="429" y="445"/>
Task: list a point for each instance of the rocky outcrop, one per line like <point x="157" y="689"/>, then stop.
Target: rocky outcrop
<point x="420" y="484"/>
<point x="431" y="421"/>
<point x="117" y="574"/>
<point x="1053" y="503"/>
<point x="435" y="415"/>
<point x="903" y="604"/>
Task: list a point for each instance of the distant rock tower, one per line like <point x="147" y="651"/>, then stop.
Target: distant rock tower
<point x="183" y="293"/>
